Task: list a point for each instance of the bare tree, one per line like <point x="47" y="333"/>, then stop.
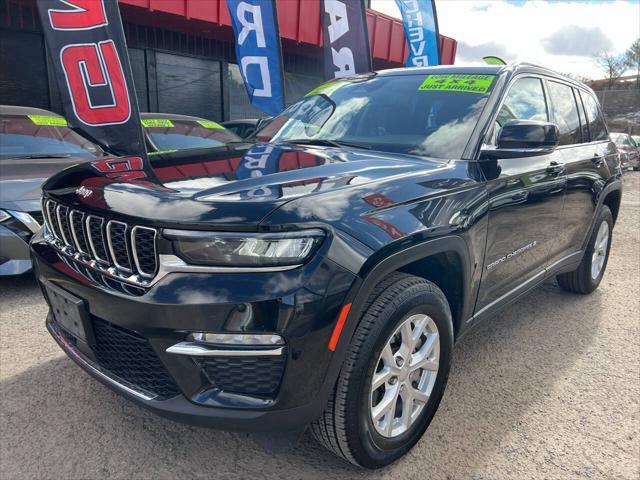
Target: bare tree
<point x="632" y="59"/>
<point x="613" y="66"/>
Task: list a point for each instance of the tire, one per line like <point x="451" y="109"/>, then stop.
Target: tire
<point x="581" y="279"/>
<point x="346" y="427"/>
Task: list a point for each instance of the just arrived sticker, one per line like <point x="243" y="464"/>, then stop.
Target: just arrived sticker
<point x="456" y="82"/>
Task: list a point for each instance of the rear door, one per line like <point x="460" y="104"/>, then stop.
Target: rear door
<point x="587" y="166"/>
<point x="582" y="165"/>
<point x="525" y="202"/>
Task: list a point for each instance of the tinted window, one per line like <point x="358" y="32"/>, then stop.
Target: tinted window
<point x="402" y="114"/>
<point x="20" y="137"/>
<point x="565" y="113"/>
<point x="181" y="134"/>
<point x="525" y="101"/>
<point x="597" y="126"/>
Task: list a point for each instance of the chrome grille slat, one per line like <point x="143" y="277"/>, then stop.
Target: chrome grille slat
<point x="76" y="224"/>
<point x="118" y="245"/>
<point x="63" y="224"/>
<point x="95" y="234"/>
<point x="144" y="255"/>
<point x="117" y="250"/>
<point x="51" y="215"/>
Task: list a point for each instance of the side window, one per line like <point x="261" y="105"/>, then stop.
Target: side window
<point x="597" y="126"/>
<point x="525" y="101"/>
<point x="565" y="112"/>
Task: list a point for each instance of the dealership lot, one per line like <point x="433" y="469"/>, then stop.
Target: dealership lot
<point x="548" y="389"/>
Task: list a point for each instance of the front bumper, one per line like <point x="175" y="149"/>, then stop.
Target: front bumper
<point x="301" y="305"/>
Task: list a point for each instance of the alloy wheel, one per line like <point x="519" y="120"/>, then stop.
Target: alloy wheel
<point x="599" y="250"/>
<point x="404" y="376"/>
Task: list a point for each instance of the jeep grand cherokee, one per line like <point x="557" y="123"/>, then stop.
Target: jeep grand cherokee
<point x="322" y="275"/>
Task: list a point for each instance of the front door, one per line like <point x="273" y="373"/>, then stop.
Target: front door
<point x="525" y="203"/>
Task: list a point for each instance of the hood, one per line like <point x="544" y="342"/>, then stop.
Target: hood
<point x="21" y="180"/>
<point x="234" y="188"/>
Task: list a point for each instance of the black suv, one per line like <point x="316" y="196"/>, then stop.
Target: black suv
<point x="322" y="275"/>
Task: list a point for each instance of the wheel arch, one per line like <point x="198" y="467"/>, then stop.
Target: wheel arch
<point x="427" y="260"/>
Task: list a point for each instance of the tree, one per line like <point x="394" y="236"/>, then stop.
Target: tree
<point x="632" y="59"/>
<point x="613" y="66"/>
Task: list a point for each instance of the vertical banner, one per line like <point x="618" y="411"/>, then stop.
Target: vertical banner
<point x="345" y="38"/>
<point x="86" y="44"/>
<point x="258" y="53"/>
<point x="421" y="31"/>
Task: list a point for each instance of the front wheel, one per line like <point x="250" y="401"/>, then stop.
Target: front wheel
<point x="394" y="374"/>
<point x="587" y="277"/>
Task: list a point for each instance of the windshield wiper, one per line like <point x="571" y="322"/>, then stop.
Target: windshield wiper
<point x="46" y="155"/>
<point x="327" y="143"/>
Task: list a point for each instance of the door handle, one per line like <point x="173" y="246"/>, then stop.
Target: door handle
<point x="555" y="168"/>
<point x="597" y="159"/>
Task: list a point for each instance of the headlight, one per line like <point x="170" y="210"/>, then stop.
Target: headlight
<point x="245" y="249"/>
<point x="4" y="216"/>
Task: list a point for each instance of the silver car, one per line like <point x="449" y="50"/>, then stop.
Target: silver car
<point x="34" y="144"/>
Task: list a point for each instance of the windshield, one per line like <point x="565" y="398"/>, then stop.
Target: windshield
<point x="173" y="134"/>
<point x="426" y="115"/>
<point x="41" y="136"/>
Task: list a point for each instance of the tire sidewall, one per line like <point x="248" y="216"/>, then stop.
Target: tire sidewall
<point x="373" y="449"/>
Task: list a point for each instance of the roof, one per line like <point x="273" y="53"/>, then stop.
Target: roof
<point x="483" y="70"/>
<point x="15" y="110"/>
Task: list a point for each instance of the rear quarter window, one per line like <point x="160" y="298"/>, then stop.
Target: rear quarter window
<point x="597" y="126"/>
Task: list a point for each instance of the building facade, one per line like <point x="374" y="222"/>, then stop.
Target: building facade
<point x="183" y="57"/>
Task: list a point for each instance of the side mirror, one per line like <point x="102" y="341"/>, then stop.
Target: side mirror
<point x="525" y="138"/>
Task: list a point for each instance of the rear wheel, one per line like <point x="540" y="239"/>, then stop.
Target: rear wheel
<point x="588" y="275"/>
<point x="394" y="374"/>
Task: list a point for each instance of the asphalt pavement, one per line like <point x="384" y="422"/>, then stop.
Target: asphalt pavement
<point x="549" y="388"/>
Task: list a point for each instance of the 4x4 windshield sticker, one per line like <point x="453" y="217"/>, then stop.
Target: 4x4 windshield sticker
<point x="156" y="122"/>
<point x="209" y="124"/>
<point x="458" y="83"/>
<point x="47" y="120"/>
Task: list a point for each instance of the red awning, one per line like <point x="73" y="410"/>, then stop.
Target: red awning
<point x="299" y="21"/>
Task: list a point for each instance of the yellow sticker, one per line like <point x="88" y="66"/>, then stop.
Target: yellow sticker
<point x="327" y="88"/>
<point x="457" y="82"/>
<point x="209" y="124"/>
<point x="156" y="122"/>
<point x="47" y="120"/>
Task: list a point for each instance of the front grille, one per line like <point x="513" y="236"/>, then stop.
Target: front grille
<point x="244" y="375"/>
<point x="127" y="252"/>
<point x="129" y="356"/>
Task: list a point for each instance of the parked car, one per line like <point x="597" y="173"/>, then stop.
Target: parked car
<point x="169" y="131"/>
<point x="34" y="144"/>
<point x="322" y="278"/>
<point x="628" y="149"/>
<point x="246" y="127"/>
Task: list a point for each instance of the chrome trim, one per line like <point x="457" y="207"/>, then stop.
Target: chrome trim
<point x="87" y="225"/>
<point x="87" y="364"/>
<point x="26" y="219"/>
<point x="171" y="263"/>
<point x="52" y="225"/>
<point x="199" y="234"/>
<point x="135" y="250"/>
<point x="73" y="230"/>
<point x="126" y="246"/>
<point x="64" y="237"/>
<point x="203" y="350"/>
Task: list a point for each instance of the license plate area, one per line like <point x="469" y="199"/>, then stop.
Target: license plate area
<point x="70" y="313"/>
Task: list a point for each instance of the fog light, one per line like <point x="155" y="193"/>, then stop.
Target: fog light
<point x="240" y="339"/>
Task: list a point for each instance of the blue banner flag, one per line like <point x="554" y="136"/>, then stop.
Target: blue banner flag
<point x="258" y="53"/>
<point x="421" y="30"/>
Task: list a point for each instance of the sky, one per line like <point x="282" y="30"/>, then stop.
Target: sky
<point x="562" y="35"/>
